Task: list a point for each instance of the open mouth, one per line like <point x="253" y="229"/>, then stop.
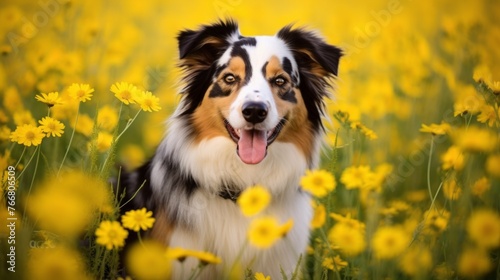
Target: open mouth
<point x="252" y="143"/>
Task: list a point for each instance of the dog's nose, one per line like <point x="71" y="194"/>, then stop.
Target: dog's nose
<point x="254" y="112"/>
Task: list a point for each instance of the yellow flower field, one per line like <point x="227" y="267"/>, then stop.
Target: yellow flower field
<point x="409" y="181"/>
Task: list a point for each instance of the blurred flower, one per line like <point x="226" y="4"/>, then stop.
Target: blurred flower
<point x="206" y="257"/>
<point x="495" y="87"/>
<point x="51" y="127"/>
<point x="493" y="165"/>
<point x="436" y="129"/>
<point x="181" y="254"/>
<point x="103" y="141"/>
<point x="417" y="260"/>
<point x="264" y="232"/>
<point x="85" y="125"/>
<point x="319" y="216"/>
<point x="453" y="158"/>
<point x="390" y="241"/>
<point x="451" y="189"/>
<point x="50" y="99"/>
<point x="132" y="156"/>
<point x="148" y="101"/>
<point x="318" y="182"/>
<point x="475" y="139"/>
<point x="111" y="234"/>
<point x="107" y="118"/>
<point x="27" y="135"/>
<point x="286" y="227"/>
<point x="483" y="227"/>
<point x="12" y="101"/>
<point x="335" y="263"/>
<point x="348" y="220"/>
<point x="488" y="114"/>
<point x="473" y="263"/>
<point x="436" y="220"/>
<point x="481" y="186"/>
<point x="147" y="260"/>
<point x="177" y="253"/>
<point x="260" y="276"/>
<point x="370" y="134"/>
<point x="254" y="200"/>
<point x="56" y="263"/>
<point x="80" y="92"/>
<point x="138" y="219"/>
<point x="23" y="117"/>
<point x="125" y="92"/>
<point x="358" y="177"/>
<point x="349" y="239"/>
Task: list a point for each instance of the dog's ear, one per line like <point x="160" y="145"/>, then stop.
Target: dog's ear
<point x="205" y="45"/>
<point x="317" y="62"/>
<point x="311" y="52"/>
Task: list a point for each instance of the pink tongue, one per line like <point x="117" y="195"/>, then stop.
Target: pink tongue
<point x="252" y="146"/>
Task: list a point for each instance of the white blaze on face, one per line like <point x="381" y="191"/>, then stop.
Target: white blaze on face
<point x="252" y="145"/>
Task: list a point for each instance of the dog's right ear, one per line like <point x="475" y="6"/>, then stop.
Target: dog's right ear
<point x="203" y="46"/>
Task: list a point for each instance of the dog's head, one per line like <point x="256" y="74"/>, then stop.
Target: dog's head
<point x="256" y="90"/>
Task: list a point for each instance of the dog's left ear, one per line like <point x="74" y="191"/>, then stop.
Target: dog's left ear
<point x="203" y="46"/>
<point x="311" y="52"/>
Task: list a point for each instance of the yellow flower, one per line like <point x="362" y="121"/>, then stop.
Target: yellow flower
<point x="179" y="254"/>
<point x="370" y="134"/>
<point x="147" y="260"/>
<point x="50" y="99"/>
<point x="493" y="165"/>
<point x="319" y="216"/>
<point x="451" y="190"/>
<point x="4" y="133"/>
<point x="483" y="226"/>
<point x="107" y="118"/>
<point x="264" y="232"/>
<point x="488" y="114"/>
<point x="125" y="92"/>
<point x="85" y="125"/>
<point x="138" y="219"/>
<point x="335" y="263"/>
<point x="481" y="186"/>
<point x="27" y="135"/>
<point x="12" y="101"/>
<point x="475" y="139"/>
<point x="436" y="220"/>
<point x="260" y="276"/>
<point x="132" y="156"/>
<point x="348" y="220"/>
<point x="473" y="263"/>
<point x="358" y="177"/>
<point x="111" y="234"/>
<point x="59" y="210"/>
<point x="436" y="129"/>
<point x="103" y="141"/>
<point x="390" y="241"/>
<point x="416" y="261"/>
<point x="56" y="263"/>
<point x="253" y="200"/>
<point x="148" y="101"/>
<point x="80" y="92"/>
<point x="495" y="87"/>
<point x="349" y="239"/>
<point x="23" y="117"/>
<point x="51" y="127"/>
<point x="453" y="158"/>
<point x="318" y="182"/>
<point x="286" y="227"/>
<point x="206" y="257"/>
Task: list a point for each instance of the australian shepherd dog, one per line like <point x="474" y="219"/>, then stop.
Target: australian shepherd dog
<point x="250" y="113"/>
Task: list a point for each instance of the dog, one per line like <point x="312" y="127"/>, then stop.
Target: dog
<point x="250" y="113"/>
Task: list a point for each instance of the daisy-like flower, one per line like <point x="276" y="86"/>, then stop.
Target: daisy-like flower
<point x="253" y="200"/>
<point x="206" y="257"/>
<point x="148" y="101"/>
<point x="264" y="232"/>
<point x="138" y="219"/>
<point x="27" y="135"/>
<point x="111" y="234"/>
<point x="125" y="92"/>
<point x="181" y="254"/>
<point x="319" y="216"/>
<point x="473" y="263"/>
<point x="50" y="99"/>
<point x="51" y="127"/>
<point x="260" y="276"/>
<point x="335" y="263"/>
<point x="350" y="239"/>
<point x="358" y="177"/>
<point x="80" y="92"/>
<point x="436" y="129"/>
<point x="453" y="158"/>
<point x="318" y="182"/>
<point x="107" y="118"/>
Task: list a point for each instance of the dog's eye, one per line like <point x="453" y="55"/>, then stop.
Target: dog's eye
<point x="229" y="79"/>
<point x="279" y="81"/>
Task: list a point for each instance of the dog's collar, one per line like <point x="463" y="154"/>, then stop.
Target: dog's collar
<point x="231" y="195"/>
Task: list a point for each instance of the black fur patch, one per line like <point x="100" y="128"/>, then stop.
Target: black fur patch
<point x="246" y="41"/>
<point x="217" y="91"/>
<point x="289" y="96"/>
<point x="264" y="71"/>
<point x="243" y="54"/>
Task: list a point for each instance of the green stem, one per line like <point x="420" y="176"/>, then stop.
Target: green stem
<point x="70" y="141"/>
<point x="38" y="149"/>
<point x="429" y="168"/>
<point x="21" y="157"/>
